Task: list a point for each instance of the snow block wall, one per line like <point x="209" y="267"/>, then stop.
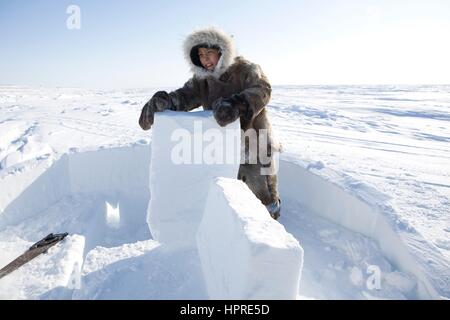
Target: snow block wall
<point x="244" y="253"/>
<point x="38" y="185"/>
<point x="180" y="173"/>
<point x="363" y="216"/>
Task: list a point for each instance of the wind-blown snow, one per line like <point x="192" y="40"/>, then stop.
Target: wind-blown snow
<point x="65" y="153"/>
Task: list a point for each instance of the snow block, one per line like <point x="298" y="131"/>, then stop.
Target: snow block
<point x="182" y="169"/>
<point x="244" y="253"/>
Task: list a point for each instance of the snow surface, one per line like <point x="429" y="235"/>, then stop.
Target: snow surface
<point x="244" y="253"/>
<point x="179" y="190"/>
<point x="364" y="181"/>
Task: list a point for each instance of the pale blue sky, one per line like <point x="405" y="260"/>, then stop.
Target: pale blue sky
<point x="134" y="43"/>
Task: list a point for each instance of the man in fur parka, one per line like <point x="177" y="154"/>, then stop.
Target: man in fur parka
<point x="233" y="88"/>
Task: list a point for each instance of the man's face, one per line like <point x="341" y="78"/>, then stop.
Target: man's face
<point x="208" y="58"/>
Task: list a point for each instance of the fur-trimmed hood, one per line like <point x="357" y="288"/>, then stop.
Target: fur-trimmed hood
<point x="213" y="37"/>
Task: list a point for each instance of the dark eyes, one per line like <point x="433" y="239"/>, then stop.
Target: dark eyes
<point x="208" y="53"/>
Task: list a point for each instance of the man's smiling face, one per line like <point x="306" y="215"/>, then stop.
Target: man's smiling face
<point x="209" y="58"/>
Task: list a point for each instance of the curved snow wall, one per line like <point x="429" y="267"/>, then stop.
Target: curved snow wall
<point x="116" y="174"/>
<point x="27" y="190"/>
<point x="333" y="203"/>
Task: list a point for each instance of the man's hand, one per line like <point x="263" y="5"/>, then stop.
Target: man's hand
<point x="159" y="102"/>
<point x="228" y="110"/>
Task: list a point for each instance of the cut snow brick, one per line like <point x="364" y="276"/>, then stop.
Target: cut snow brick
<point x="189" y="149"/>
<point x="244" y="253"/>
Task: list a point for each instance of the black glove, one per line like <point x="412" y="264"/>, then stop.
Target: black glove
<point x="159" y="102"/>
<point x="228" y="110"/>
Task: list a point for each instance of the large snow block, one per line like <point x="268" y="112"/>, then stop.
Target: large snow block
<point x="244" y="253"/>
<point x="189" y="149"/>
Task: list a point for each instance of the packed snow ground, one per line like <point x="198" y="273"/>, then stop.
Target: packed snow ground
<point x="387" y="146"/>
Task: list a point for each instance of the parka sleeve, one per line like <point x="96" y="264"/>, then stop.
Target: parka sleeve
<point x="187" y="97"/>
<point x="257" y="89"/>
